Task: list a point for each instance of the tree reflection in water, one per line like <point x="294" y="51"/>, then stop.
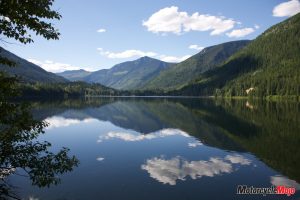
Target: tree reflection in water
<point x="20" y="151"/>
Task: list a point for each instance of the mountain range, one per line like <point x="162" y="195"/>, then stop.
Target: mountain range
<point x="267" y="65"/>
<point x="127" y="75"/>
<point x="28" y="71"/>
<point x="149" y="73"/>
<point x="75" y="75"/>
<point x="188" y="70"/>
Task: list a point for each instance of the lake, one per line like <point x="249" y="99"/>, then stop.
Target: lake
<point x="170" y="148"/>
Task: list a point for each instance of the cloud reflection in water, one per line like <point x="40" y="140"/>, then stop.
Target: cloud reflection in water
<point x="169" y="171"/>
<point x="57" y="121"/>
<point x="281" y="180"/>
<point x="130" y="137"/>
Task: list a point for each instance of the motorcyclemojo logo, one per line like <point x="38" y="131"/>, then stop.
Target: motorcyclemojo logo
<point x="280" y="190"/>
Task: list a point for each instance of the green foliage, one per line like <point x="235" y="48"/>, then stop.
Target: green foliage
<point x="19" y="147"/>
<point x="63" y="90"/>
<point x="75" y="75"/>
<point x="18" y="17"/>
<point x="188" y="70"/>
<point x="128" y="75"/>
<point x="269" y="65"/>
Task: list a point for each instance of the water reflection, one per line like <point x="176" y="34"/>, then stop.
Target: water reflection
<point x="157" y="144"/>
<point x="130" y="137"/>
<point x="22" y="154"/>
<point x="281" y="180"/>
<point x="270" y="131"/>
<point x="100" y="159"/>
<point x="57" y="121"/>
<point x="194" y="144"/>
<point x="168" y="171"/>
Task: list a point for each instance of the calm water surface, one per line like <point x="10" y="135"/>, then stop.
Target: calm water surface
<point x="170" y="148"/>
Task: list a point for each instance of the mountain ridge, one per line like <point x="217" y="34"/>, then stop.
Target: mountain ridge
<point x="128" y="75"/>
<point x="269" y="65"/>
<point x="186" y="71"/>
<point x="74" y="75"/>
<point x="28" y="71"/>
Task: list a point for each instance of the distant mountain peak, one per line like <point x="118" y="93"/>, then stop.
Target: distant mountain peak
<point x="130" y="74"/>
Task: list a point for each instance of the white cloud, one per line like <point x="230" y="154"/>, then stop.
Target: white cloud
<point x="100" y="159"/>
<point x="101" y="30"/>
<point x="256" y="26"/>
<point x="130" y="137"/>
<point x="54" y="67"/>
<point x="237" y="33"/>
<point x="173" y="59"/>
<point x="196" y="47"/>
<point x="280" y="180"/>
<point x="169" y="171"/>
<point x="126" y="54"/>
<point x="287" y="9"/>
<point x="238" y="159"/>
<point x="132" y="53"/>
<point x="194" y="144"/>
<point x="170" y="20"/>
<point x="57" y="121"/>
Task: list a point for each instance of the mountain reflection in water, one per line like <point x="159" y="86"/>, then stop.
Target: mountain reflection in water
<point x="156" y="143"/>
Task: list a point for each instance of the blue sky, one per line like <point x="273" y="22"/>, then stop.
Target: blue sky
<point x="97" y="34"/>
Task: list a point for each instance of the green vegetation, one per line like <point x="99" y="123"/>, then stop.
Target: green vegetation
<point x="183" y="73"/>
<point x="269" y="65"/>
<point x="21" y="16"/>
<point x="64" y="90"/>
<point x="19" y="148"/>
<point x="126" y="76"/>
<point x="27" y="71"/>
<point x="269" y="130"/>
<point x="20" y="151"/>
<point x="75" y="75"/>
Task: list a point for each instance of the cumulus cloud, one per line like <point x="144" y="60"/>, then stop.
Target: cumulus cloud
<point x="237" y="33"/>
<point x="52" y="66"/>
<point x="173" y="59"/>
<point x="170" y="20"/>
<point x="280" y="180"/>
<point x="101" y="30"/>
<point x="57" y="121"/>
<point x="133" y="53"/>
<point x="168" y="171"/>
<point x="126" y="54"/>
<point x="130" y="137"/>
<point x="287" y="9"/>
<point x="196" y="47"/>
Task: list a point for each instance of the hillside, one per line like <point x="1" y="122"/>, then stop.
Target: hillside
<point x="74" y="75"/>
<point x="129" y="75"/>
<point x="28" y="71"/>
<point x="270" y="65"/>
<point x="186" y="71"/>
